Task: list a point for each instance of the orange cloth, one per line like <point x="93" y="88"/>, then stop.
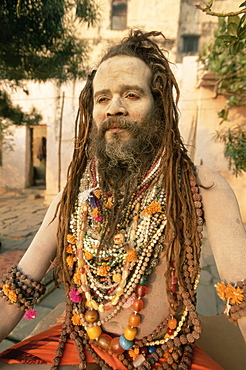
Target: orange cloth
<point x="40" y="349"/>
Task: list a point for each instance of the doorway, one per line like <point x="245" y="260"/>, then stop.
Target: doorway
<point x="37" y="168"/>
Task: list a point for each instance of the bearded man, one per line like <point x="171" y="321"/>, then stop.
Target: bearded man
<point x="129" y="233"/>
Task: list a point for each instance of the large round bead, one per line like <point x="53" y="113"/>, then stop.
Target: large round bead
<point x="126" y="344"/>
<point x="172" y="323"/>
<point x="115" y="346"/>
<point x="151" y="349"/>
<point x="138" y="305"/>
<point x="134" y="319"/>
<point x="94" y="332"/>
<point x="141" y="290"/>
<point x="91" y="316"/>
<point x="130" y="333"/>
<point x="104" y="341"/>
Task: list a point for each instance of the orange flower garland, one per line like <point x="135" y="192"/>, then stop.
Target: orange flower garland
<point x="228" y="292"/>
<point x="131" y="255"/>
<point x="103" y="270"/>
<point x="71" y="239"/>
<point x="154" y="207"/>
<point x="9" y="293"/>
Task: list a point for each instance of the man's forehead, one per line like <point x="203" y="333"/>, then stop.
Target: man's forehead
<point x="125" y="70"/>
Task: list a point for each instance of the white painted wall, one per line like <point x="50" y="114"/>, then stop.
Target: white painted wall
<point x="13" y="170"/>
<point x="198" y="104"/>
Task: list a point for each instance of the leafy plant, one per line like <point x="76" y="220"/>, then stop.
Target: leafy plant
<point x="38" y="42"/>
<point x="226" y="57"/>
<point x="234" y="140"/>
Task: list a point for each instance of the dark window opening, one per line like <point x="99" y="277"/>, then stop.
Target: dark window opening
<point x="119" y="15"/>
<point x="190" y="43"/>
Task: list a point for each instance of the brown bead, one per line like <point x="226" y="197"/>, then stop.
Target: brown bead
<point x="104" y="341"/>
<point x="199" y="212"/>
<point x="91" y="316"/>
<point x="115" y="346"/>
<point x="194" y="189"/>
<point x="134" y="319"/>
<point x="196" y="197"/>
<point x="140" y="290"/>
<point x="138" y="305"/>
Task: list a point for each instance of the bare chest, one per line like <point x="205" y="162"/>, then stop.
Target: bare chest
<point x="155" y="306"/>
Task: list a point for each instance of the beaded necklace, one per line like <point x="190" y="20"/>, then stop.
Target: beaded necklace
<point x="115" y="276"/>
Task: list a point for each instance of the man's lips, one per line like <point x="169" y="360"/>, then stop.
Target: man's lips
<point x="114" y="128"/>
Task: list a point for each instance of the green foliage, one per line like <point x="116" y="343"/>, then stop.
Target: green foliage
<point x="226" y="57"/>
<point x="37" y="41"/>
<point x="15" y="114"/>
<point x="234" y="140"/>
<point x="9" y="115"/>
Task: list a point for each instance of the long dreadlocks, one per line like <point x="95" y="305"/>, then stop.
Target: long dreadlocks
<point x="178" y="169"/>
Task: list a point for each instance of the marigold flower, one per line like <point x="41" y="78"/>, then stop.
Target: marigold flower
<point x="6" y="289"/>
<point x="9" y="293"/>
<point x="131" y="255"/>
<point x="103" y="270"/>
<point x="88" y="255"/>
<point x="12" y="296"/>
<point x="221" y="290"/>
<point x="97" y="193"/>
<point x="152" y="208"/>
<point x="95" y="213"/>
<point x="228" y="292"/>
<point x="76" y="277"/>
<point x="234" y="294"/>
<point x="76" y="320"/>
<point x="71" y="239"/>
<point x="69" y="248"/>
<point x="70" y="261"/>
<point x="134" y="353"/>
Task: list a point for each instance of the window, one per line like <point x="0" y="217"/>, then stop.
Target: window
<point x="190" y="43"/>
<point x="119" y="15"/>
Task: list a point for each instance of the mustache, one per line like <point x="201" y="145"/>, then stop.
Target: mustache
<point x="119" y="122"/>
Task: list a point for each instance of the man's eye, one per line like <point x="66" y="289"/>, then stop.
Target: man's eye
<point x="132" y="96"/>
<point x="102" y="99"/>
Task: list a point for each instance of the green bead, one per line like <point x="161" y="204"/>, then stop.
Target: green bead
<point x="144" y="280"/>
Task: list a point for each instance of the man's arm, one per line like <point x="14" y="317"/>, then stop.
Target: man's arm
<point x="225" y="229"/>
<point x="34" y="264"/>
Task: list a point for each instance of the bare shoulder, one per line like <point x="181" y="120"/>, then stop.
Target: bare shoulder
<point x="212" y="179"/>
<point x="214" y="188"/>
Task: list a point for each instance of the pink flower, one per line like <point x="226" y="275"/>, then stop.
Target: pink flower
<point x="98" y="218"/>
<point x="75" y="296"/>
<point x="30" y="314"/>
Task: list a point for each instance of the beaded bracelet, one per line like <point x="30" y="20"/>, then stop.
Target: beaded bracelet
<point x="16" y="288"/>
<point x="235" y="298"/>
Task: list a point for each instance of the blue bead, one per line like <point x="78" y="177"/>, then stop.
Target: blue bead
<point x="151" y="349"/>
<point x="126" y="344"/>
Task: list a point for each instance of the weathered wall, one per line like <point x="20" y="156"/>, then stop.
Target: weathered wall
<point x="47" y="98"/>
<point x="13" y="170"/>
<point x="199" y="121"/>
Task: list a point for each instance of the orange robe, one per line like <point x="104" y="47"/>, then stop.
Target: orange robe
<point x="40" y="349"/>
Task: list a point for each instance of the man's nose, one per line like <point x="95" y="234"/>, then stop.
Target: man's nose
<point x="116" y="108"/>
